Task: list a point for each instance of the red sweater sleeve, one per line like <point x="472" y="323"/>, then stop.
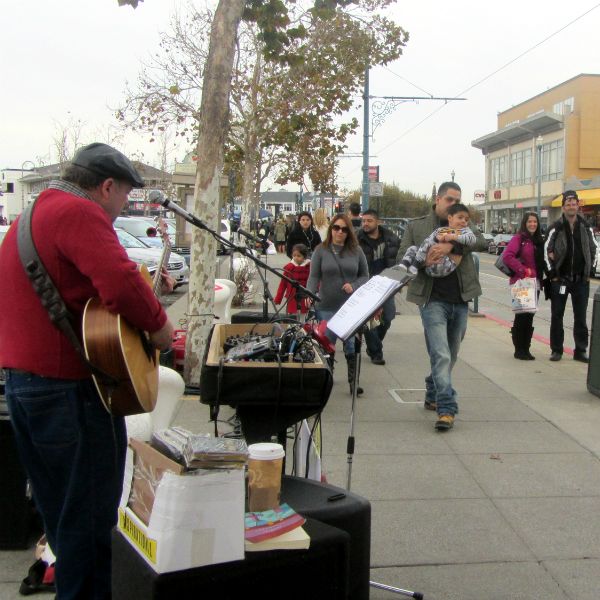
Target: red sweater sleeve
<point x="283" y="290"/>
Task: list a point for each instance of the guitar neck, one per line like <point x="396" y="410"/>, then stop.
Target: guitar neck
<point x="163" y="262"/>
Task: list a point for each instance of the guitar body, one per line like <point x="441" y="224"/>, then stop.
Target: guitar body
<point x="125" y="353"/>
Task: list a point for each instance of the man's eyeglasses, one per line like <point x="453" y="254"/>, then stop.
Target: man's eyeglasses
<point x="339" y="228"/>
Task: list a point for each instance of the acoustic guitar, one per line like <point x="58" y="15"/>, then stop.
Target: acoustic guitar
<point x="123" y="351"/>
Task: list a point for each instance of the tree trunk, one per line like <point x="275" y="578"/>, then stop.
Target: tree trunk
<point x="248" y="178"/>
<point x="251" y="155"/>
<point x="214" y="116"/>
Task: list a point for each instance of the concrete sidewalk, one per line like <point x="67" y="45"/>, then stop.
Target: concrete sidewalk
<point x="504" y="506"/>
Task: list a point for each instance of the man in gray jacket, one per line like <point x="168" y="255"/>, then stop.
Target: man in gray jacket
<point x="442" y="302"/>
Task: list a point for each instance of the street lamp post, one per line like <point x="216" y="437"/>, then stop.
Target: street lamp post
<point x="452" y="174"/>
<point x="539" y="141"/>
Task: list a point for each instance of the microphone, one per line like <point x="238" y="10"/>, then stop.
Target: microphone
<point x="262" y="242"/>
<point x="170" y="205"/>
<point x="250" y="236"/>
<point x="156" y="197"/>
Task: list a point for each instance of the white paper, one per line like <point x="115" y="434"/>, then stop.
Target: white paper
<point x="361" y="305"/>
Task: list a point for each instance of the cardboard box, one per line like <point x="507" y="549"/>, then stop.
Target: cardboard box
<point x="178" y="520"/>
<point x="292" y="384"/>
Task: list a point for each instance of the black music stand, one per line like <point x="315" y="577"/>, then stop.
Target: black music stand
<point x="357" y="332"/>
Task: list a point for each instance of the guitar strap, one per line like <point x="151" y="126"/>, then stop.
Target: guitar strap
<point x="51" y="299"/>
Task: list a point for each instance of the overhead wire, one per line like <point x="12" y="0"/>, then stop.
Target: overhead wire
<point x="469" y="88"/>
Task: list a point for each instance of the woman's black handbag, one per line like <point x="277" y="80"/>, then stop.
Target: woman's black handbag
<point x="499" y="264"/>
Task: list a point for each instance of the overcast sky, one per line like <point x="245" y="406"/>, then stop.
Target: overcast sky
<point x="70" y="60"/>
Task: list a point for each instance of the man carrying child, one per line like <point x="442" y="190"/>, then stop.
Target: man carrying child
<point x="442" y="298"/>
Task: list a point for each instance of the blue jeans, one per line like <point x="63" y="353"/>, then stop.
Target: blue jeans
<point x="374" y="337"/>
<point x="445" y="325"/>
<point x="74" y="454"/>
<point x="325" y="315"/>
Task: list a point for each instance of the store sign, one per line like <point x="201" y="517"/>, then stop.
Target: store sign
<point x="374" y="173"/>
<point x="497" y="194"/>
<point x="479" y="196"/>
<point x="544" y="213"/>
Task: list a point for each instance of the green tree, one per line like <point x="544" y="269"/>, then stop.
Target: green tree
<point x="286" y="114"/>
<point x="277" y="32"/>
<point x="395" y="203"/>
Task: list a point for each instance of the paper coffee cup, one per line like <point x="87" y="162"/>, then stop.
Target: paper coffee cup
<point x="265" y="463"/>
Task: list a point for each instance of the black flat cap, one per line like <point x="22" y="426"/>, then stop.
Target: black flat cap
<point x="105" y="160"/>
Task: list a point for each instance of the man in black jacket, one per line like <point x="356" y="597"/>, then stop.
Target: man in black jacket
<point x="380" y="246"/>
<point x="569" y="253"/>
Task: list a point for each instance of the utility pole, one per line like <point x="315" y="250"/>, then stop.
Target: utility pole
<point x="365" y="167"/>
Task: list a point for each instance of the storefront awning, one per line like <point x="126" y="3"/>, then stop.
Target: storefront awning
<point x="586" y="198"/>
<point x="528" y="128"/>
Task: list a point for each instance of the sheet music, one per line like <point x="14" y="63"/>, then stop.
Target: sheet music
<point x="362" y="304"/>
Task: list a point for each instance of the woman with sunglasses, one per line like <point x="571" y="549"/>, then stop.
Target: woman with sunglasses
<point x="303" y="232"/>
<point x="337" y="269"/>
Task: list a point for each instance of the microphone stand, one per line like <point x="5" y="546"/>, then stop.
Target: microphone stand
<point x="267" y="296"/>
<point x="196" y="222"/>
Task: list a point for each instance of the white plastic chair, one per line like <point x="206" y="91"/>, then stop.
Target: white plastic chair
<point x="224" y="292"/>
<point x="170" y="391"/>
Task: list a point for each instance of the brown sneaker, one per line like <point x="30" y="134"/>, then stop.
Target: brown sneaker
<point x="444" y="422"/>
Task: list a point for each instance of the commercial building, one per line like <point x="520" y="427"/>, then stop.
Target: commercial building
<point x="543" y="146"/>
<point x="19" y="187"/>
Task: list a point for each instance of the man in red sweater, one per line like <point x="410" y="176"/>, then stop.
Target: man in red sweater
<point x="72" y="449"/>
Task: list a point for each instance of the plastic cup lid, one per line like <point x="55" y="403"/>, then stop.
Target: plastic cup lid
<point x="266" y="451"/>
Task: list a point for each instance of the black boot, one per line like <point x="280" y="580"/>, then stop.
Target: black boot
<point x="519" y="336"/>
<point x="351" y="362"/>
<point x="527" y="335"/>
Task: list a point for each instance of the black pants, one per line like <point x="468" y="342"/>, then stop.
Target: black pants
<point x="523" y="321"/>
<point x="579" y="291"/>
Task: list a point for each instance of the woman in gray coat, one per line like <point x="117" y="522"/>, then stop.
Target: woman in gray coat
<point x="338" y="267"/>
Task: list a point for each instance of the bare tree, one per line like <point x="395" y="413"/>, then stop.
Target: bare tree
<point x="67" y="138"/>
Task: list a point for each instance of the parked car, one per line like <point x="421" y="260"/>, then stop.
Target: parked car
<point x="138" y="227"/>
<point x="144" y="255"/>
<point x="225" y="231"/>
<point x="499" y="242"/>
<point x="488" y="237"/>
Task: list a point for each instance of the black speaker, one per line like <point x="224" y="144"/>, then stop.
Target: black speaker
<point x="16" y="511"/>
<point x="341" y="509"/>
<point x="593" y="374"/>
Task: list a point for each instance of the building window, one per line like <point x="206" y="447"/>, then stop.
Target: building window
<point x="565" y="107"/>
<point x="498" y="174"/>
<point x="10" y="187"/>
<point x="552" y="160"/>
<point x="521" y="167"/>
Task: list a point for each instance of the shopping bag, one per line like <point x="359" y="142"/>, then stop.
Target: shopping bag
<point x="524" y="296"/>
